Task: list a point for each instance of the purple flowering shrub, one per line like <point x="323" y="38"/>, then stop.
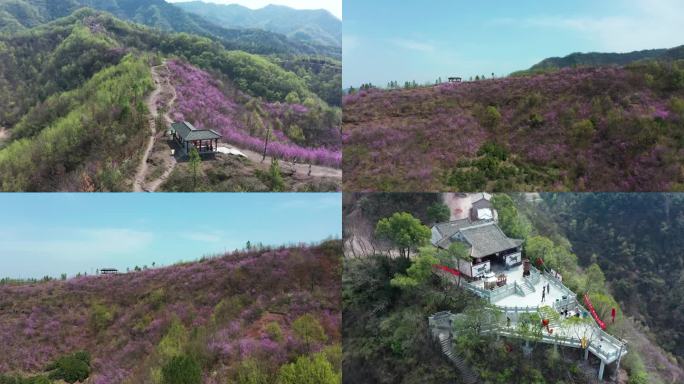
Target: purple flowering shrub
<point x="574" y="129"/>
<point x="297" y="133"/>
<point x="42" y="321"/>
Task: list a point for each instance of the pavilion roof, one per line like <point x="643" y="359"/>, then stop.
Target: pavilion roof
<point x="189" y="133"/>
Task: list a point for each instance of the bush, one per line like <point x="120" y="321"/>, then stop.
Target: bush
<point x="438" y="212"/>
<point x="182" y="370"/>
<point x="71" y="368"/>
<point x="491" y="117"/>
<point x="309" y="330"/>
<point x="309" y="371"/>
<point x="494" y="150"/>
<point x="582" y="132"/>
<point x="249" y="372"/>
<point x="101" y="317"/>
<point x="274" y="332"/>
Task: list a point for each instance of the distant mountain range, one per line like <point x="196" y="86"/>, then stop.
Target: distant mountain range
<point x="17" y="15"/>
<point x="311" y="26"/>
<point x="593" y="59"/>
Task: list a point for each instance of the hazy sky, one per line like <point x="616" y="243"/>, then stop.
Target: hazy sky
<point x="333" y="6"/>
<point x="54" y="233"/>
<point x="423" y="39"/>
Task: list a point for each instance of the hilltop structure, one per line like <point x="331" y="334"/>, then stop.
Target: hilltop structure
<point x="487" y="245"/>
<point x="520" y="294"/>
<point x="188" y="137"/>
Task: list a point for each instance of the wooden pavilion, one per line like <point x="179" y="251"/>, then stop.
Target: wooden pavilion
<point x="188" y="137"/>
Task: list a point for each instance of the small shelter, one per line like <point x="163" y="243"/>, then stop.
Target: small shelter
<point x="188" y="137"/>
<point x="455" y="79"/>
<point x="109" y="271"/>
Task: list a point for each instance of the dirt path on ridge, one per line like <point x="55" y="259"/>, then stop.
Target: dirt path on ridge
<point x="316" y="170"/>
<point x="162" y="86"/>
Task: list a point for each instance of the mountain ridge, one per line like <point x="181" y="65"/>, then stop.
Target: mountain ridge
<point x="18" y="15"/>
<point x="318" y="26"/>
<point x="606" y="58"/>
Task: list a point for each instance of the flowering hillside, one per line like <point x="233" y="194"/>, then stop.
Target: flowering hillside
<point x="246" y="314"/>
<point x="295" y="131"/>
<point x="573" y="129"/>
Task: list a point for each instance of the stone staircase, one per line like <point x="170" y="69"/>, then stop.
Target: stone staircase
<point x="468" y="376"/>
<point x="526" y="287"/>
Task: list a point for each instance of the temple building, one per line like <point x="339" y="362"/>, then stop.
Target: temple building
<point x="486" y="242"/>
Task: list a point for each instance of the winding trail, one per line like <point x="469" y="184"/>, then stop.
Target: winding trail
<point x="163" y="86"/>
<point x="161" y="83"/>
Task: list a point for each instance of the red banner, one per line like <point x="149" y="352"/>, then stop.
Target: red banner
<point x="590" y="306"/>
<point x="452" y="271"/>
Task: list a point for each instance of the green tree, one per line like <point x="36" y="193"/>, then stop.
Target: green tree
<point x="249" y="372"/>
<point x="100" y="317"/>
<point x="438" y="212"/>
<point x="491" y="118"/>
<point x="457" y="251"/>
<point x="275" y="178"/>
<point x="509" y="220"/>
<point x="308" y="330"/>
<point x="419" y="271"/>
<point x="596" y="281"/>
<point x="195" y="162"/>
<point x="182" y="370"/>
<point x="404" y="230"/>
<point x="582" y="132"/>
<point x="305" y="370"/>
<point x="540" y="247"/>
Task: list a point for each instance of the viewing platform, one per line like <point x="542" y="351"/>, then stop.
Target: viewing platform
<point x="519" y="300"/>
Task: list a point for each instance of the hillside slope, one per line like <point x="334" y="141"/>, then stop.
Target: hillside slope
<point x="597" y="129"/>
<point x="636" y="239"/>
<point x="228" y="313"/>
<point x="315" y="26"/>
<point x="20" y="14"/>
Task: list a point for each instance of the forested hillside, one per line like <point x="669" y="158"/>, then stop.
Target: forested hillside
<point x="254" y="316"/>
<point x="584" y="129"/>
<point x="21" y="14"/>
<point x="637" y="241"/>
<point x="315" y="26"/>
<point x="603" y="59"/>
<point x="51" y="70"/>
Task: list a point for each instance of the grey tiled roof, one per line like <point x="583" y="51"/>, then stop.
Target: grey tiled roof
<point x="188" y="132"/>
<point x="482" y="203"/>
<point x="450" y="228"/>
<point x="487" y="239"/>
<point x="483" y="236"/>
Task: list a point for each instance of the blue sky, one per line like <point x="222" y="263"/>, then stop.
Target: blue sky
<point x="421" y="40"/>
<point x="332" y="6"/>
<point x="54" y="233"/>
